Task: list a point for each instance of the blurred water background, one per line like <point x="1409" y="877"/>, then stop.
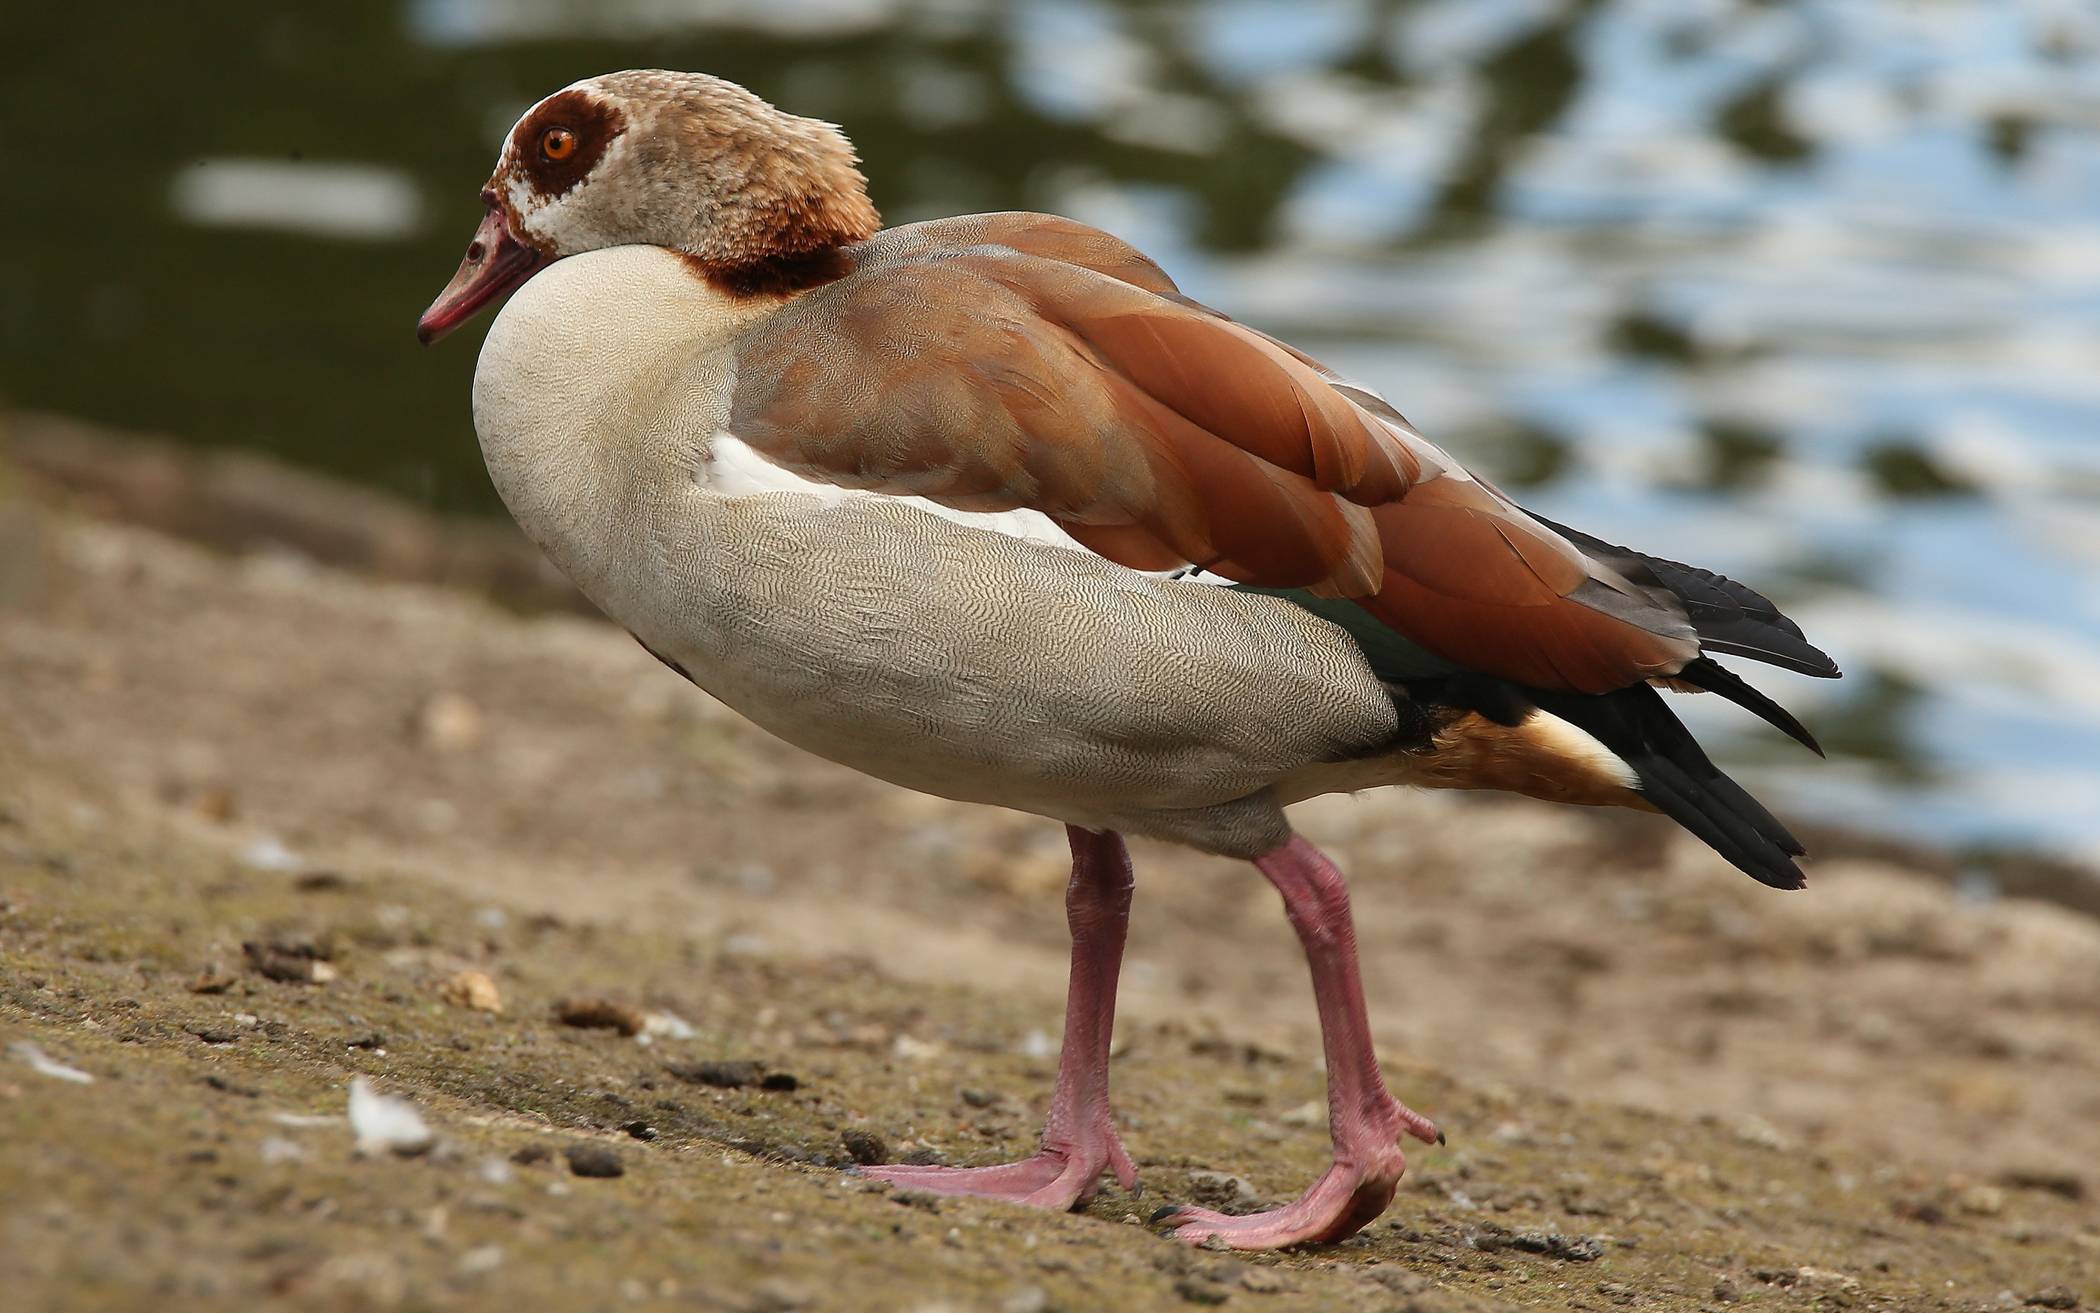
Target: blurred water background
<point x="1808" y="293"/>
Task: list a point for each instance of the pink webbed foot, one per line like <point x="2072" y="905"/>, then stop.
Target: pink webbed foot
<point x="1341" y="1203"/>
<point x="1054" y="1177"/>
<point x="1079" y="1137"/>
<point x="1355" y="1189"/>
<point x="1365" y="1120"/>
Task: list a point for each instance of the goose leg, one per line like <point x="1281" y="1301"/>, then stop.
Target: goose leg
<point x="1079" y="1138"/>
<point x="1366" y="1122"/>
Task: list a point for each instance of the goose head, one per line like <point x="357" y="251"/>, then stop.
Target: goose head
<point x="649" y="157"/>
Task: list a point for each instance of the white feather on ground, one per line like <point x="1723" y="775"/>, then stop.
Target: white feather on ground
<point x="44" y="1065"/>
<point x="384" y="1123"/>
<point x="665" y="1025"/>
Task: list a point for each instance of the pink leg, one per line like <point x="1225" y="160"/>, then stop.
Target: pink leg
<point x="1079" y="1138"/>
<point x="1366" y="1122"/>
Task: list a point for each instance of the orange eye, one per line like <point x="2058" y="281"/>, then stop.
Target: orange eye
<point x="557" y="143"/>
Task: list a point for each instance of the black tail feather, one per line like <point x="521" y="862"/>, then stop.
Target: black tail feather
<point x="1728" y="617"/>
<point x="1676" y="775"/>
<point x="1714" y="677"/>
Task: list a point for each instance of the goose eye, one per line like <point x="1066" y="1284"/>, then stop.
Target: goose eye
<point x="557" y="143"/>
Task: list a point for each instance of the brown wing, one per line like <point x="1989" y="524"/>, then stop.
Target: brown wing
<point x="988" y="379"/>
<point x="995" y="364"/>
<point x="1066" y="241"/>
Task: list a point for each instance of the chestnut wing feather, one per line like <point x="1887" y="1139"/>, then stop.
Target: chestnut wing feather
<point x="994" y="365"/>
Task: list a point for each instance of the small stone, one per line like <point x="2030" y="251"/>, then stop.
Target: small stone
<point x="211" y="980"/>
<point x="779" y="1295"/>
<point x="642" y="1131"/>
<point x="1201" y="1290"/>
<point x="594" y="1160"/>
<point x="1028" y="1299"/>
<point x="2068" y="1185"/>
<point x="1313" y="1112"/>
<point x="448" y="722"/>
<point x="479" y="1261"/>
<point x="1827" y="1284"/>
<point x="915" y="1050"/>
<point x="290" y="962"/>
<point x="599" y="1014"/>
<point x="1399" y="1280"/>
<point x="1981" y="1201"/>
<point x="780" y="1081"/>
<point x="1553" y="1244"/>
<point x="213" y="1034"/>
<point x="472" y="990"/>
<point x="1224" y="1192"/>
<point x="864" y="1146"/>
<point x="531" y="1154"/>
<point x="979" y="1098"/>
<point x="321" y="882"/>
<point x="268" y="853"/>
<point x="1726" y="1291"/>
<point x="1919" y="1209"/>
<point x="1262" y="1281"/>
<point x="2052" y="1297"/>
<point x="720" y="1075"/>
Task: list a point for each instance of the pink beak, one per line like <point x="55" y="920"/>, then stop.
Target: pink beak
<point x="496" y="263"/>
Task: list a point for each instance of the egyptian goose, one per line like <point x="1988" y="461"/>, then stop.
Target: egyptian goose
<point x="985" y="507"/>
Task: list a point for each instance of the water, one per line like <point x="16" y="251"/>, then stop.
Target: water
<point x="1808" y="293"/>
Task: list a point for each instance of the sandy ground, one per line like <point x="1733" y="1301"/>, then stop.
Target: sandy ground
<point x="1870" y="1094"/>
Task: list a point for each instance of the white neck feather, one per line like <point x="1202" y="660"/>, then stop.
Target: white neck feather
<point x="597" y="391"/>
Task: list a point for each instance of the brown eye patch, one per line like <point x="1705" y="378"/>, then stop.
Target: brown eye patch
<point x="562" y="139"/>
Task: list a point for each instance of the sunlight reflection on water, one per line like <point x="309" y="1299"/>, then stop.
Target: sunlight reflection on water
<point x="325" y="199"/>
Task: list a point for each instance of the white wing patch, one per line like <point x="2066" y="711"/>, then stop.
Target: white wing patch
<point x="736" y="469"/>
